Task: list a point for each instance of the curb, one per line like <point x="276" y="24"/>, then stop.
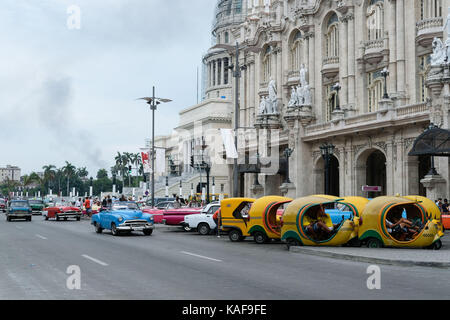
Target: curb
<point x="343" y="256"/>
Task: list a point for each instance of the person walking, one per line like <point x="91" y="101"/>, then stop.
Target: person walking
<point x="87" y="206"/>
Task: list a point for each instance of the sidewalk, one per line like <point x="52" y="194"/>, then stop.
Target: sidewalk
<point x="390" y="256"/>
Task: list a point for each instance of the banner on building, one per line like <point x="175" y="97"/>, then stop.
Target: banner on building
<point x="228" y="142"/>
<point x="146" y="162"/>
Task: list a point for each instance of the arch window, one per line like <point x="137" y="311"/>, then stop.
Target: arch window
<point x="332" y="37"/>
<point x="227" y="37"/>
<point x="332" y="101"/>
<point x="226" y="64"/>
<point x="424" y="67"/>
<point x="375" y="19"/>
<point x="266" y="64"/>
<point x="430" y="9"/>
<point x="374" y="90"/>
<point x="296" y="46"/>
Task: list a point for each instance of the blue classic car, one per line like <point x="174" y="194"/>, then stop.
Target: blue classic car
<point x="123" y="217"/>
<point x="19" y="209"/>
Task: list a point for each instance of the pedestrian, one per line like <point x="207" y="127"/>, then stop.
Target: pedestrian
<point x="445" y="206"/>
<point x="109" y="202"/>
<point x="87" y="206"/>
<point x="439" y="204"/>
<point x="104" y="202"/>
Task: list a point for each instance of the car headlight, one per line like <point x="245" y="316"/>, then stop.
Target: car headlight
<point x="120" y="219"/>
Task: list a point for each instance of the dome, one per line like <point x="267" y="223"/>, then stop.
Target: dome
<point x="229" y="12"/>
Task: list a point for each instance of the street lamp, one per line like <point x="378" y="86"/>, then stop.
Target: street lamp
<point x="385" y="74"/>
<point x="336" y="88"/>
<point x="433" y="171"/>
<point x="287" y="154"/>
<point x="153" y="103"/>
<point x="237" y="75"/>
<point x="327" y="151"/>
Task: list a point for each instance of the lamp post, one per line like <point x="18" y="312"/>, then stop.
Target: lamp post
<point x="236" y="68"/>
<point x="385" y="74"/>
<point x="287" y="154"/>
<point x="327" y="151"/>
<point x="433" y="171"/>
<point x="153" y="103"/>
<point x="337" y="88"/>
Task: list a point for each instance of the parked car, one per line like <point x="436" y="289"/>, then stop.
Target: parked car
<point x="123" y="217"/>
<point x="203" y="222"/>
<point x="18" y="209"/>
<point x="3" y="205"/>
<point x="159" y="200"/>
<point x="59" y="212"/>
<point x="37" y="206"/>
<point x="175" y="217"/>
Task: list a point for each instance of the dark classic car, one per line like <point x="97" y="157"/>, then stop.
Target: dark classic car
<point x="123" y="217"/>
<point x="18" y="209"/>
<point x="37" y="206"/>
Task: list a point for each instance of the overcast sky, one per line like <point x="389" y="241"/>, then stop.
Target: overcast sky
<point x="69" y="94"/>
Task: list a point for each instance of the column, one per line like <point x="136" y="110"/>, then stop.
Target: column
<point x="343" y="64"/>
<point x="400" y="15"/>
<point x="222" y="73"/>
<point x="252" y="92"/>
<point x="312" y="66"/>
<point x="351" y="61"/>
<point x="279" y="76"/>
<point x="392" y="18"/>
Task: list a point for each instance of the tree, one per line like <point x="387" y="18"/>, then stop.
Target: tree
<point x="69" y="171"/>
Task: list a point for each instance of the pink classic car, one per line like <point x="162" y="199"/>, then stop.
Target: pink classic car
<point x="171" y="213"/>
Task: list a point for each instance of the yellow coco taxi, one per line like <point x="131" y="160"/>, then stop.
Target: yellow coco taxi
<point x="433" y="212"/>
<point x="301" y="216"/>
<point x="259" y="218"/>
<point x="383" y="225"/>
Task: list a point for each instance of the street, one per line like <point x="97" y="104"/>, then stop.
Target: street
<point x="175" y="265"/>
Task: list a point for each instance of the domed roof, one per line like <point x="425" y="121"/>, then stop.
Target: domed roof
<point x="229" y="12"/>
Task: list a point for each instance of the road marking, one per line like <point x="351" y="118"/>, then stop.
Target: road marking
<point x="41" y="237"/>
<point x="199" y="256"/>
<point x="95" y="260"/>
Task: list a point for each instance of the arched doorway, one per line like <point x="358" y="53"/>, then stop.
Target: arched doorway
<point x="376" y="172"/>
<point x="320" y="177"/>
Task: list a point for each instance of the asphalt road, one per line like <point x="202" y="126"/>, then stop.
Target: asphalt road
<point x="174" y="265"/>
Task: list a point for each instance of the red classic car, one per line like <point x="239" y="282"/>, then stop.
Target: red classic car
<point x="171" y="213"/>
<point x="2" y="205"/>
<point x="62" y="212"/>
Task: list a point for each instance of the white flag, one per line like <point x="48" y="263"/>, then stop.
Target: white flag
<point x="228" y="142"/>
<point x="160" y="160"/>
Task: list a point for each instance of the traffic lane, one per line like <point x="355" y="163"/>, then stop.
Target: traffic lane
<point x="197" y="278"/>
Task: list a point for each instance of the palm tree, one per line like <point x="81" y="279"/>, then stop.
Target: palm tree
<point x="82" y="173"/>
<point x="69" y="171"/>
<point x="120" y="159"/>
<point x="49" y="175"/>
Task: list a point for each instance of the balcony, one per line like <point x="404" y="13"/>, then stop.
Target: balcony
<point x="427" y="29"/>
<point x="375" y="50"/>
<point x="330" y="67"/>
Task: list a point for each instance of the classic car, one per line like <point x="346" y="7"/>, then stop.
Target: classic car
<point x="3" y="205"/>
<point x="175" y="216"/>
<point x="37" y="206"/>
<point x="18" y="209"/>
<point x="158" y="210"/>
<point x="159" y="200"/>
<point x="123" y="217"/>
<point x="202" y="222"/>
<point x="63" y="212"/>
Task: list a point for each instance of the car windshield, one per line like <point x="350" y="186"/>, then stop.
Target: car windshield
<point x="125" y="206"/>
<point x="19" y="204"/>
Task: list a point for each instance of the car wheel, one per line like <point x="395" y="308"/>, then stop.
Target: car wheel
<point x="97" y="227"/>
<point x="260" y="238"/>
<point x="148" y="232"/>
<point x="436" y="246"/>
<point x="203" y="229"/>
<point x="235" y="235"/>
<point x="8" y="219"/>
<point x="374" y="243"/>
<point x="114" y="230"/>
<point x="78" y="218"/>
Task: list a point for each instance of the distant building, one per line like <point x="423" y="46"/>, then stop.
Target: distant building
<point x="10" y="173"/>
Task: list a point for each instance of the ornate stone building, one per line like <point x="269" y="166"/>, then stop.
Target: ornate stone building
<point x="344" y="47"/>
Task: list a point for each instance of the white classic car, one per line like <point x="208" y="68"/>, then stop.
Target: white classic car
<point x="203" y="222"/>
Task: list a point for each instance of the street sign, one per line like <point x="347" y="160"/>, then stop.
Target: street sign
<point x="372" y="188"/>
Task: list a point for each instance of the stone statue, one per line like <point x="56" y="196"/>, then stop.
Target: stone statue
<point x="439" y="54"/>
<point x="300" y="97"/>
<point x="303" y="72"/>
<point x="263" y="106"/>
<point x="272" y="99"/>
<point x="294" y="98"/>
<point x="307" y="100"/>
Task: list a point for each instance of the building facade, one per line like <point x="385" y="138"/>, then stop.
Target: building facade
<point x="339" y="49"/>
<point x="11" y="173"/>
